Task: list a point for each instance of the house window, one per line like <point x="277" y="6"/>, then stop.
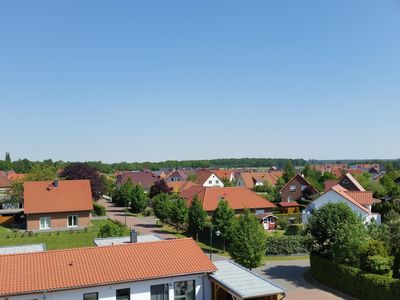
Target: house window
<point x="217" y="181"/>
<point x="44" y="223"/>
<point x="184" y="290"/>
<point x="73" y="221"/>
<point x="123" y="294"/>
<point x="345" y="181"/>
<point x="303" y="188"/>
<point x="210" y="182"/>
<point x="159" y="292"/>
<point x="91" y="296"/>
<point x="272" y="220"/>
<point x="292" y="188"/>
<point x="289" y="198"/>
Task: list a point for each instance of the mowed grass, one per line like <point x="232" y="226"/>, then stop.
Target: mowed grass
<point x="53" y="240"/>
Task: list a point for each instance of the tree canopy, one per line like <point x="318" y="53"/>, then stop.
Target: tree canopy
<point x="196" y="217"/>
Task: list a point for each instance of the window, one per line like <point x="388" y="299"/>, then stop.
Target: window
<point x="303" y="188"/>
<point x="210" y="182"/>
<point x="44" y="223"/>
<point x="123" y="294"/>
<point x="184" y="290"/>
<point x="289" y="198"/>
<point x="272" y="220"/>
<point x="345" y="181"/>
<point x="292" y="188"/>
<point x="217" y="181"/>
<point x="91" y="296"/>
<point x="159" y="292"/>
<point x="73" y="221"/>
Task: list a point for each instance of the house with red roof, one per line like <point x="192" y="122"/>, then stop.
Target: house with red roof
<point x="145" y="179"/>
<point x="252" y="179"/>
<point x="357" y="198"/>
<point x="58" y="204"/>
<point x="208" y="179"/>
<point x="237" y="197"/>
<point x="168" y="269"/>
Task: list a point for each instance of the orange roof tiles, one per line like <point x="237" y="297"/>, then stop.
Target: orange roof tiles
<point x="94" y="266"/>
<point x="250" y="178"/>
<point x="364" y="198"/>
<point x="44" y="197"/>
<point x="5" y="182"/>
<point x="228" y="174"/>
<point x="344" y="193"/>
<point x="237" y="197"/>
<point x="202" y="176"/>
<point x="180" y="186"/>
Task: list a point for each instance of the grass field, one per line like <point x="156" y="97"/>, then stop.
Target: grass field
<point x="53" y="240"/>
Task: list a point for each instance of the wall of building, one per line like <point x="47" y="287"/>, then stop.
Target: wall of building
<point x="58" y="220"/>
<point x="295" y="195"/>
<point x="139" y="290"/>
<point x="331" y="197"/>
<point x="213" y="181"/>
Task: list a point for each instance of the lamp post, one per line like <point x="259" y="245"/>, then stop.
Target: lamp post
<point x="126" y="209"/>
<point x="218" y="233"/>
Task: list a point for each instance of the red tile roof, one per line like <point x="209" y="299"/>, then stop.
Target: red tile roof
<point x="142" y="178"/>
<point x="94" y="266"/>
<point x="364" y="198"/>
<point x="238" y="198"/>
<point x="202" y="176"/>
<point x="250" y="178"/>
<point x="228" y="174"/>
<point x="302" y="179"/>
<point x="180" y="186"/>
<point x="5" y="182"/>
<point x="44" y="197"/>
<point x="288" y="204"/>
<point x="344" y="193"/>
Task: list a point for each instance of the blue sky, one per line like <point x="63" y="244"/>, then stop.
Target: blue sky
<point x="157" y="80"/>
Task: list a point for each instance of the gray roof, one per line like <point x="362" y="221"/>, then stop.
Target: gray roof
<point x="22" y="249"/>
<point x="242" y="282"/>
<point x="126" y="239"/>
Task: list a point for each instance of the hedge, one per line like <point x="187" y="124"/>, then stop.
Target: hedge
<point x="296" y="217"/>
<point x="287" y="245"/>
<point x="99" y="209"/>
<point x="353" y="281"/>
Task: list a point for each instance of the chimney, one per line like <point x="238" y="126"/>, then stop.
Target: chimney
<point x="133" y="236"/>
<point x="55" y="183"/>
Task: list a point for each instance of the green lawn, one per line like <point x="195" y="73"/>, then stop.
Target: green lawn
<point x="53" y="240"/>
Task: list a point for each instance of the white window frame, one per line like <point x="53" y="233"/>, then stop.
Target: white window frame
<point x="72" y="218"/>
<point x="45" y="223"/>
<point x="292" y="188"/>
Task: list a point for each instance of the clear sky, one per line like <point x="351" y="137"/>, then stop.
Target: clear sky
<point x="156" y="80"/>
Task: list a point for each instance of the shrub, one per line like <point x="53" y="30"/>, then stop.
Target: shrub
<point x="377" y="264"/>
<point x="353" y="281"/>
<point x="287" y="245"/>
<point x="294" y="229"/>
<point x="111" y="229"/>
<point x="148" y="211"/>
<point x="99" y="209"/>
<point x="294" y="218"/>
<point x="282" y="223"/>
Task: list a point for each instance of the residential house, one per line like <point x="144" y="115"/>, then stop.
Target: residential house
<point x="177" y="175"/>
<point x="170" y="269"/>
<point x="225" y="173"/>
<point x="145" y="179"/>
<point x="9" y="210"/>
<point x="208" y="179"/>
<point x="252" y="179"/>
<point x="297" y="188"/>
<point x="360" y="201"/>
<point x="237" y="197"/>
<point x="268" y="221"/>
<point x="58" y="204"/>
<point x="365" y="167"/>
<point x="180" y="186"/>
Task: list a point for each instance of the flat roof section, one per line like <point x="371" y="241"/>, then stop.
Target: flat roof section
<point x="242" y="282"/>
<point x="22" y="249"/>
<point x="125" y="240"/>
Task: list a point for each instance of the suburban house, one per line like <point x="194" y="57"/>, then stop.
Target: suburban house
<point x="180" y="186"/>
<point x="238" y="199"/>
<point x="177" y="175"/>
<point x="145" y="179"/>
<point x="347" y="181"/>
<point x="360" y="201"/>
<point x="225" y="173"/>
<point x="166" y="270"/>
<point x="252" y="179"/>
<point x="208" y="179"/>
<point x="297" y="188"/>
<point x="9" y="211"/>
<point x="58" y="204"/>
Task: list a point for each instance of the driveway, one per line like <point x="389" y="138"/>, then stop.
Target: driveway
<point x="143" y="225"/>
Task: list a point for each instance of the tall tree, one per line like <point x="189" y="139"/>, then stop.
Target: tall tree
<point x="248" y="244"/>
<point x="288" y="171"/>
<point x="122" y="196"/>
<point x="178" y="213"/>
<point x="393" y="222"/>
<point x="159" y="187"/>
<point x="85" y="171"/>
<point x="41" y="172"/>
<point x="224" y="218"/>
<point x="138" y="199"/>
<point x="7" y="158"/>
<point x="162" y="206"/>
<point x="196" y="217"/>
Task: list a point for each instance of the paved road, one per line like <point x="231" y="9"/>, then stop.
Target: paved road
<point x="144" y="225"/>
<point x="288" y="274"/>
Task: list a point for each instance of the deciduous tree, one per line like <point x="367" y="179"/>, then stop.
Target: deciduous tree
<point x="196" y="217"/>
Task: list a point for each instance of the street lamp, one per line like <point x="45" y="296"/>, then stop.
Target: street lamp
<point x="218" y="233"/>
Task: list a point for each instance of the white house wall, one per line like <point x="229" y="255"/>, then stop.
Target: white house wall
<point x="331" y="197"/>
<point x="215" y="182"/>
<point x="139" y="290"/>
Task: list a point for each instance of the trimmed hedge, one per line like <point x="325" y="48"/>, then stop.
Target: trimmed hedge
<point x="99" y="209"/>
<point x="353" y="281"/>
<point x="287" y="245"/>
<point x="296" y="217"/>
<point x="294" y="229"/>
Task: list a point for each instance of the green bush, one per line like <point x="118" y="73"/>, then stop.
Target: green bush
<point x="99" y="209"/>
<point x="148" y="211"/>
<point x="294" y="229"/>
<point x="287" y="245"/>
<point x="282" y="224"/>
<point x="294" y="218"/>
<point x="354" y="281"/>
<point x="381" y="265"/>
<point x="112" y="228"/>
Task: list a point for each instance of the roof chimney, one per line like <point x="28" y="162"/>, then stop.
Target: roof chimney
<point x="55" y="183"/>
<point x="134" y="236"/>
